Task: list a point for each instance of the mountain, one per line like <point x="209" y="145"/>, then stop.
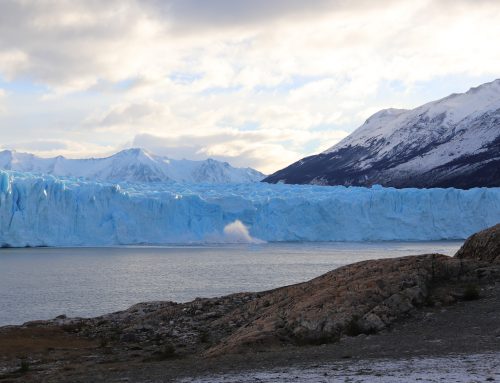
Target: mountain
<point x="131" y="165"/>
<point x="452" y="142"/>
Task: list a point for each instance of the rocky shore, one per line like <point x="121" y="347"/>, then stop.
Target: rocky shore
<point x="333" y="316"/>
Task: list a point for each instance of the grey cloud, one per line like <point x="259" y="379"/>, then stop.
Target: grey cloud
<point x="199" y="14"/>
<point x="175" y="147"/>
<point x="58" y="49"/>
<point x="61" y="52"/>
<point x="230" y="12"/>
<point x="130" y="114"/>
<point x="38" y="145"/>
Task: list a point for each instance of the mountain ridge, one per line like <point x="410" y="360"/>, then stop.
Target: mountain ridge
<point x="130" y="165"/>
<point x="451" y="142"/>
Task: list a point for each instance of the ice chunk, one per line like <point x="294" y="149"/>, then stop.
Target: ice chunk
<point x="4" y="182"/>
<point x="237" y="232"/>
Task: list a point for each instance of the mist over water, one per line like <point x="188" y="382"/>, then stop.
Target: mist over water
<point x="237" y="232"/>
<point x="41" y="283"/>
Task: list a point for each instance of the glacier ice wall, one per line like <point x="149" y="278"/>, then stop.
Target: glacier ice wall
<point x="44" y="210"/>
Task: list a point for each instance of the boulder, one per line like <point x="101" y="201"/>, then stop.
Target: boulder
<point x="482" y="246"/>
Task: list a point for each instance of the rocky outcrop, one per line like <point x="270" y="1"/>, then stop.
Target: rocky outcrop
<point x="482" y="246"/>
<point x="365" y="297"/>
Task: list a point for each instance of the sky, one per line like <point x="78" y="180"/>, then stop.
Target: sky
<point x="258" y="83"/>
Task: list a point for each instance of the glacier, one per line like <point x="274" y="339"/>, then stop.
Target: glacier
<point x="38" y="210"/>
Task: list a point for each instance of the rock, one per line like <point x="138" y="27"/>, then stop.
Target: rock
<point x="372" y="323"/>
<point x="379" y="292"/>
<point x="128" y="337"/>
<point x="482" y="246"/>
<point x="324" y="308"/>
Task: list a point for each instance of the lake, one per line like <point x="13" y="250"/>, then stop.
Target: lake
<point x="41" y="283"/>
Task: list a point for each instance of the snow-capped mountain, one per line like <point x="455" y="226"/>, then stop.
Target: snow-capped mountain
<point x="130" y="165"/>
<point x="452" y="142"/>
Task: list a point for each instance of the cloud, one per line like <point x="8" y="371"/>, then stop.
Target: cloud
<point x="259" y="83"/>
<point x="262" y="150"/>
<point x="124" y="114"/>
<point x="225" y="128"/>
<point x="51" y="148"/>
<point x="76" y="45"/>
<point x="242" y="149"/>
<point x="3" y="96"/>
<point x="199" y="14"/>
<point x="72" y="45"/>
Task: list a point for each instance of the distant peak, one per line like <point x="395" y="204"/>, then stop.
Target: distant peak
<point x="8" y="153"/>
<point x="212" y="161"/>
<point x="133" y="152"/>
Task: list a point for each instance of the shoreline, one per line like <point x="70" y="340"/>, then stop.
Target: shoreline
<point x="230" y="244"/>
<point x="428" y="334"/>
<point x="411" y="306"/>
<point x="85" y="293"/>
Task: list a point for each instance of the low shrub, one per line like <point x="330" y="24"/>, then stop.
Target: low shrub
<point x="24" y="366"/>
<point x="204" y="336"/>
<point x="167" y="352"/>
<point x="471" y="293"/>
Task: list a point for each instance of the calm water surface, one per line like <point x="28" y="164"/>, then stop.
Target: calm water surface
<point x="41" y="283"/>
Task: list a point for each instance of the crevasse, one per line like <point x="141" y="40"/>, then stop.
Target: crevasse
<point x="50" y="211"/>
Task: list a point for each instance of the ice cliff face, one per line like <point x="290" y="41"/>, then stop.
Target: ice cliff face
<point x="36" y="211"/>
<point x="452" y="142"/>
<point x="131" y="165"/>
